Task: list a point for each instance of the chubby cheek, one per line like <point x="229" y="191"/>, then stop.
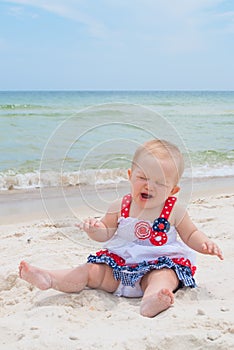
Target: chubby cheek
<point x="163" y="193"/>
<point x="137" y="186"/>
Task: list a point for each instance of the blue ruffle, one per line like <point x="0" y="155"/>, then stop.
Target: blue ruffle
<point x="129" y="275"/>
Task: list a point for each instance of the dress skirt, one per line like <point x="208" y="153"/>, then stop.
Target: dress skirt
<point x="131" y="273"/>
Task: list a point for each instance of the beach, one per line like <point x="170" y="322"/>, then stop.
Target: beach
<point x="66" y="159"/>
<point x="83" y="85"/>
<point x="201" y="318"/>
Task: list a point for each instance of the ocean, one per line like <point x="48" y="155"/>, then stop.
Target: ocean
<point x="70" y="138"/>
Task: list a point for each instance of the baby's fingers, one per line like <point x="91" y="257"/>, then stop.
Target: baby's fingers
<point x="94" y="222"/>
<point x="80" y="225"/>
<point x="219" y="253"/>
<point x="212" y="249"/>
<point x="89" y="224"/>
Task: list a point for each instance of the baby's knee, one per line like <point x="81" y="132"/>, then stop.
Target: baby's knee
<point x="96" y="275"/>
<point x="101" y="277"/>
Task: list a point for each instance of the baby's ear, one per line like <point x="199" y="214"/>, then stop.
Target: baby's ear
<point x="175" y="190"/>
<point x="129" y="173"/>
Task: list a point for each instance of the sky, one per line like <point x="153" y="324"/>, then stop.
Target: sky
<point x="117" y="45"/>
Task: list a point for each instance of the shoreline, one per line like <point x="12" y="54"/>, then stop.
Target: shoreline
<point x="18" y="206"/>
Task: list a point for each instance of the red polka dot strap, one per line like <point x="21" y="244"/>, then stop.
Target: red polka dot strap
<point x="161" y="225"/>
<point x="168" y="206"/>
<point x="125" y="207"/>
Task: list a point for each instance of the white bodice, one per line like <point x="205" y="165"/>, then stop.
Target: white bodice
<point x="125" y="244"/>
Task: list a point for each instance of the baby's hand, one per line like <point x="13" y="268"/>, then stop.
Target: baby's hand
<point x="211" y="248"/>
<point x="89" y="225"/>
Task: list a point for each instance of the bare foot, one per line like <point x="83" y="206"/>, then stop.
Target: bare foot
<point x="38" y="277"/>
<point x="154" y="304"/>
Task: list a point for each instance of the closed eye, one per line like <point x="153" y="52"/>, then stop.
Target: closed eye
<point x="161" y="184"/>
<point x="142" y="178"/>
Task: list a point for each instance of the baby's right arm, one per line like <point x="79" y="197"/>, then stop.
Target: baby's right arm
<point x="95" y="229"/>
<point x="102" y="230"/>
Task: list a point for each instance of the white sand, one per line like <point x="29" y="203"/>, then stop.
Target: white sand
<point x="200" y="318"/>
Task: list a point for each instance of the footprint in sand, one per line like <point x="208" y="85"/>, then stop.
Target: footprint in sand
<point x="9" y="282"/>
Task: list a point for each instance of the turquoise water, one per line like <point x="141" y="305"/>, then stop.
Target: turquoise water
<point x="87" y="137"/>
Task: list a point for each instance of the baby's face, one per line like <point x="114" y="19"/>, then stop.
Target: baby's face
<point x="152" y="180"/>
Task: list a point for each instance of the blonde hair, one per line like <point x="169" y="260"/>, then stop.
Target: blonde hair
<point x="161" y="149"/>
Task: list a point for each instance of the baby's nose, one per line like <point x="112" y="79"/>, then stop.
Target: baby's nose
<point x="149" y="184"/>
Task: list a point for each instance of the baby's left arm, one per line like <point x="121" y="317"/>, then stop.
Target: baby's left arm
<point x="195" y="238"/>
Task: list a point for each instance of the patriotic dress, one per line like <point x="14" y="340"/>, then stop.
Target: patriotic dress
<point x="139" y="247"/>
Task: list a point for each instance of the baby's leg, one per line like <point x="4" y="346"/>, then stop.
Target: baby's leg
<point x="38" y="277"/>
<point x="158" y="287"/>
<point x="98" y="276"/>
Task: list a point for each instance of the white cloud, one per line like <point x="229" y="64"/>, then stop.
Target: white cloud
<point x="15" y="11"/>
<point x="20" y="12"/>
<point x="185" y="26"/>
<point x="67" y="9"/>
<point x="175" y="25"/>
<point x="227" y="18"/>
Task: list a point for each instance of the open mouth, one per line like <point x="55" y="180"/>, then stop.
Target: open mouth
<point x="146" y="196"/>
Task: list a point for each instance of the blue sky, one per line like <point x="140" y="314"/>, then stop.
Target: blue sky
<point x="117" y="44"/>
